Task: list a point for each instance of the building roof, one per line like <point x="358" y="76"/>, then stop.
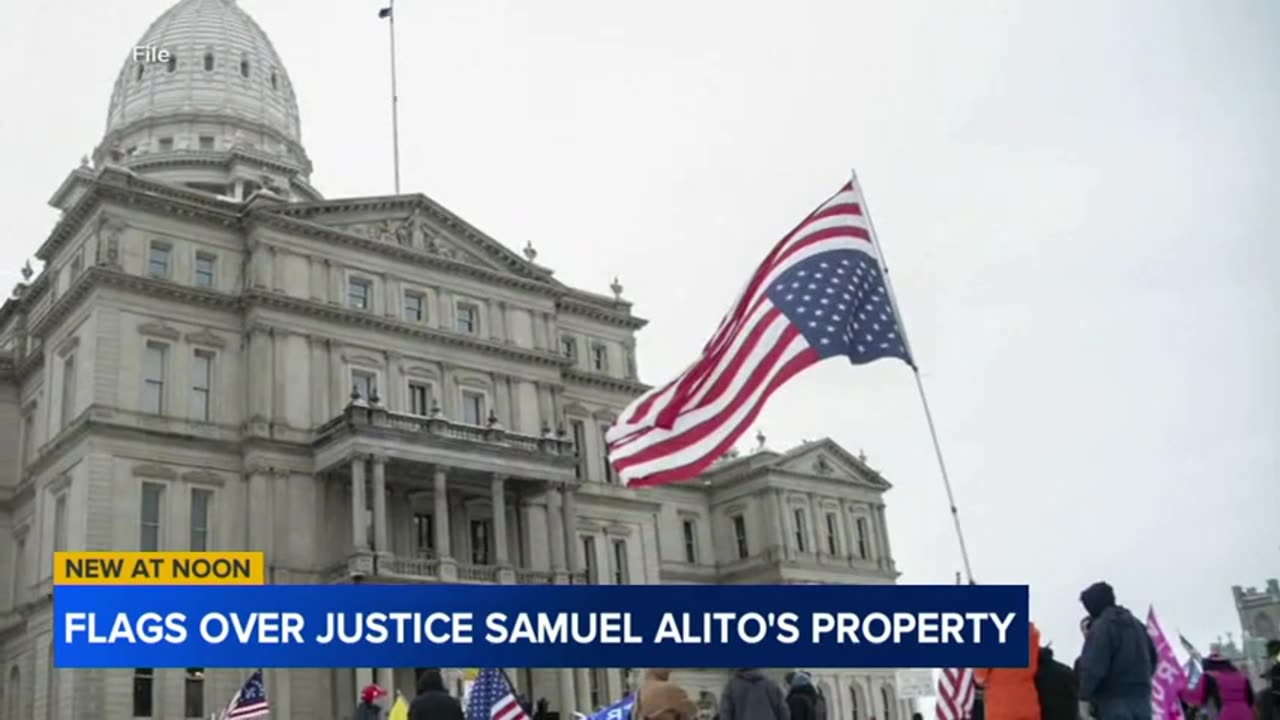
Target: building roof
<point x="247" y="80"/>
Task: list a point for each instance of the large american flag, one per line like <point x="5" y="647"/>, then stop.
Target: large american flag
<point x="820" y="293"/>
<point x="955" y="694"/>
<point x="250" y="702"/>
<point x="493" y="699"/>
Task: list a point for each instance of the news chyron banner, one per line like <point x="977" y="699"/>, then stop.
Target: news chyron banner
<point x="213" y="610"/>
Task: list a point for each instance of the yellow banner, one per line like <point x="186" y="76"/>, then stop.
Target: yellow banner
<point x="159" y="568"/>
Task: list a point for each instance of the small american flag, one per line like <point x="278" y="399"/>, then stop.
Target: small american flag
<point x="955" y="694"/>
<point x="250" y="702"/>
<point x="820" y="293"/>
<point x="493" y="699"/>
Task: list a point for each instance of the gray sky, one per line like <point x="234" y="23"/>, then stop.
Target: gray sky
<point x="1076" y="199"/>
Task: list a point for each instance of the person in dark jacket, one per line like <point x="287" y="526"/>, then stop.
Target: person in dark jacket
<point x="802" y="697"/>
<point x="368" y="707"/>
<point x="433" y="701"/>
<point x="1118" y="659"/>
<point x="1056" y="687"/>
<point x="749" y="695"/>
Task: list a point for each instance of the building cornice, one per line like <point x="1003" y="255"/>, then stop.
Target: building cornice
<point x="614" y="313"/>
<point x="170" y="119"/>
<point x="222" y="159"/>
<point x="606" y="382"/>
<point x="104" y="276"/>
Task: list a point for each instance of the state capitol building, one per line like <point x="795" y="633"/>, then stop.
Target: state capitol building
<point x="370" y="389"/>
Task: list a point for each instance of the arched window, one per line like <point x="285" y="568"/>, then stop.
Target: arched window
<point x="208" y="62"/>
<point x="244" y="67"/>
<point x="886" y="697"/>
<point x="173" y="61"/>
<point x="854" y="713"/>
<point x="141" y="69"/>
<point x="275" y="80"/>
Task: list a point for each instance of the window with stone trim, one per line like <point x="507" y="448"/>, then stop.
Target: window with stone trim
<point x="205" y="266"/>
<point x="860" y="526"/>
<point x="19" y="574"/>
<point x="201" y="510"/>
<point x="473" y="407"/>
<point x="359" y="293"/>
<point x="149" y="518"/>
<point x="833" y="537"/>
<point x="689" y="528"/>
<point x="740" y="536"/>
<point x="569" y="346"/>
<point x="621" y="570"/>
<point x="415" y="307"/>
<point x="193" y="694"/>
<point x="420" y="398"/>
<point x="172" y="64"/>
<point x="599" y="357"/>
<point x="467" y="318"/>
<point x="158" y="258"/>
<point x="589" y="559"/>
<point x="208" y="62"/>
<point x="424" y="534"/>
<point x="609" y="475"/>
<point x="801" y="527"/>
<point x="481" y="542"/>
<point x="68" y="390"/>
<point x="166" y="144"/>
<point x="60" y="522"/>
<point x="363" y="383"/>
<point x="201" y="385"/>
<point x="244" y="67"/>
<point x="144" y="680"/>
<point x="154" y="359"/>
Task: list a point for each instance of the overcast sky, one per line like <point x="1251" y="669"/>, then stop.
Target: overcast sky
<point x="1077" y="200"/>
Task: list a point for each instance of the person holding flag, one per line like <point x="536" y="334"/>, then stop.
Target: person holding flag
<point x="492" y="698"/>
<point x="250" y="701"/>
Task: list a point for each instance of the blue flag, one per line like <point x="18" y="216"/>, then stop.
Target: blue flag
<point x="620" y="710"/>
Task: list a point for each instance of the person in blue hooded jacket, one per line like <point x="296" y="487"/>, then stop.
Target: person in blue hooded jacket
<point x="1118" y="659"/>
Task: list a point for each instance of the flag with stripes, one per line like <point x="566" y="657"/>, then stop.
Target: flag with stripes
<point x="250" y="702"/>
<point x="820" y="293"/>
<point x="493" y="699"/>
<point x="955" y="694"/>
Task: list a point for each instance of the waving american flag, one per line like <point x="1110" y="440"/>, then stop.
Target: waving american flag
<point x="493" y="699"/>
<point x="820" y="293"/>
<point x="250" y="701"/>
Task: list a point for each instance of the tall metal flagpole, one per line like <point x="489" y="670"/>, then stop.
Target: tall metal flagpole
<point x="924" y="398"/>
<point x="395" y="98"/>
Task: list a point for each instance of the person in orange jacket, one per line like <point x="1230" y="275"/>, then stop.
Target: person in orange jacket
<point x="1010" y="693"/>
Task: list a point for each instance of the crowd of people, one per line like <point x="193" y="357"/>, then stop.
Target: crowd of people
<point x="1111" y="680"/>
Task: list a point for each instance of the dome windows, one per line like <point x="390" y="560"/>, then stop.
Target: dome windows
<point x="208" y="62"/>
<point x="244" y="67"/>
<point x="275" y="80"/>
<point x="172" y="64"/>
<point x="141" y="69"/>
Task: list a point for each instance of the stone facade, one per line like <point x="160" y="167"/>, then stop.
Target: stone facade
<point x="366" y="389"/>
<point x="1259" y="622"/>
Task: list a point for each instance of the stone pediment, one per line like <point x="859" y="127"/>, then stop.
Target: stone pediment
<point x="415" y="222"/>
<point x="825" y="458"/>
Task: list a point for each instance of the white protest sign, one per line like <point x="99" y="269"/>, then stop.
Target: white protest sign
<point x="915" y="684"/>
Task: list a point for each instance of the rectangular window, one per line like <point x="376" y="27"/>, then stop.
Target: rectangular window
<point x="362" y="383"/>
<point x="579" y="430"/>
<point x="609" y="475"/>
<point x="481" y="530"/>
<point x="690" y="541"/>
<point x="833" y="540"/>
<point x="620" y="572"/>
<point x="599" y="358"/>
<point x="201" y="383"/>
<point x="201" y="502"/>
<point x="358" y="292"/>
<point x="415" y="307"/>
<point x="158" y="261"/>
<point x="60" y="523"/>
<point x="77" y="263"/>
<point x="204" y="269"/>
<point x="424" y="534"/>
<point x="166" y="144"/>
<point x="801" y="529"/>
<point x="419" y="399"/>
<point x="589" y="560"/>
<point x="468" y="319"/>
<point x="68" y="390"/>
<point x="19" y="572"/>
<point x="152" y="497"/>
<point x="153" y="368"/>
<point x="740" y="536"/>
<point x="206" y="142"/>
<point x="472" y="408"/>
<point x="193" y="694"/>
<point x="569" y="347"/>
<point x="143" y="685"/>
<point x="861" y="524"/>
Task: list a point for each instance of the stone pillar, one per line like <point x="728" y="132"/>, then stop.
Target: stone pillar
<point x="500" y="554"/>
<point x="883" y="526"/>
<point x="259" y="525"/>
<point x="567" y="694"/>
<point x="569" y="512"/>
<point x="440" y="496"/>
<point x="359" y="534"/>
<point x="582" y="679"/>
<point x="555" y="530"/>
<point x="780" y="510"/>
<point x="380" y="534"/>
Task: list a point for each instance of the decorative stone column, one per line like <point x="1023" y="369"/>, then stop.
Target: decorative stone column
<point x="359" y="533"/>
<point x="884" y="535"/>
<point x="501" y="555"/>
<point x="568" y="699"/>
<point x="380" y="533"/>
<point x="448" y="567"/>
<point x="569" y="523"/>
<point x="555" y="534"/>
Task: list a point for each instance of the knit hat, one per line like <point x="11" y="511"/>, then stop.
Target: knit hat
<point x="371" y="693"/>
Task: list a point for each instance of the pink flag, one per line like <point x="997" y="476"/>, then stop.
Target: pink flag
<point x="1169" y="679"/>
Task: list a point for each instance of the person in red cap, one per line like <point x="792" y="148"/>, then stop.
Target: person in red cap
<point x="369" y="707"/>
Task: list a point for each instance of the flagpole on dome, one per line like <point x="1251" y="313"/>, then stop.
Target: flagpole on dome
<point x="389" y="13"/>
<point x="915" y="370"/>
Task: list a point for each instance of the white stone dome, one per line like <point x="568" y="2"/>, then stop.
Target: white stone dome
<point x="223" y="87"/>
